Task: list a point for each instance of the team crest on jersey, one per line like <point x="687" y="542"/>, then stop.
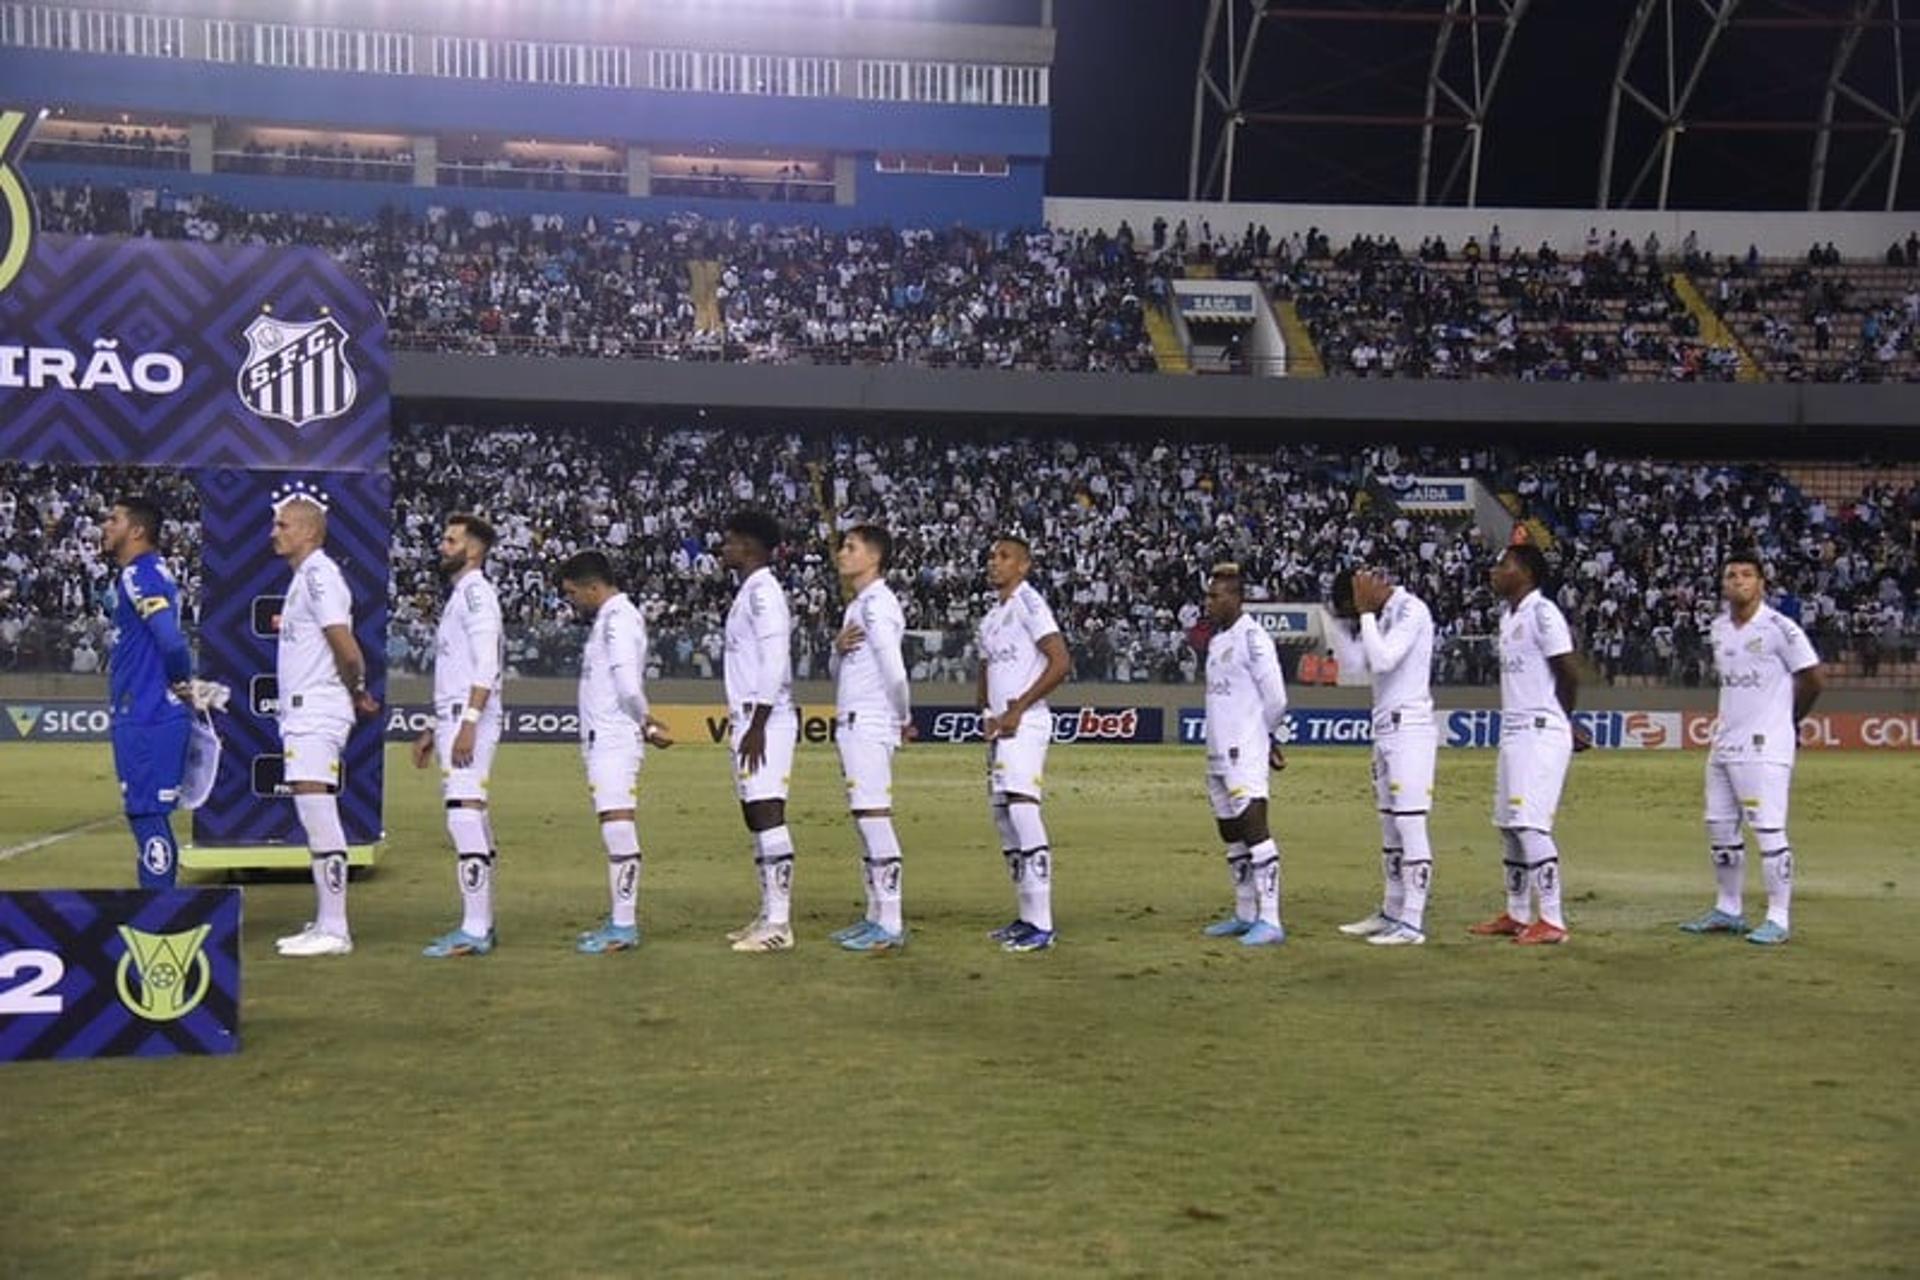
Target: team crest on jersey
<point x="297" y="371"/>
<point x="16" y="203"/>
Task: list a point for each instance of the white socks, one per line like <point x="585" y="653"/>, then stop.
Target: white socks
<point x="1392" y="886"/>
<point x="474" y="869"/>
<point x="320" y="818"/>
<point x="1729" y="855"/>
<point x="773" y="855"/>
<point x="882" y="868"/>
<point x="622" y="840"/>
<point x="1514" y="864"/>
<point x="1416" y="869"/>
<point x="1543" y="870"/>
<point x="1240" y="871"/>
<point x="1264" y="864"/>
<point x="1776" y="868"/>
<point x="1032" y="866"/>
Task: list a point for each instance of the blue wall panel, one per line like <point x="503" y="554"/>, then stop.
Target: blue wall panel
<point x="899" y="200"/>
<point x="429" y="104"/>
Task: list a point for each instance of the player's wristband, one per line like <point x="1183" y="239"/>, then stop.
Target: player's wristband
<point x="470" y="715"/>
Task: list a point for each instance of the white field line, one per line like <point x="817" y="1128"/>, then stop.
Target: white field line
<point x="14" y="851"/>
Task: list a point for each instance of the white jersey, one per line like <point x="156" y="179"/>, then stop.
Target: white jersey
<point x="1755" y="665"/>
<point x="1395" y="649"/>
<point x="305" y="674"/>
<point x="1010" y="637"/>
<point x="759" y="662"/>
<point x="1246" y="694"/>
<point x="613" y="700"/>
<point x="470" y="646"/>
<point x="872" y="680"/>
<point x="1531" y="634"/>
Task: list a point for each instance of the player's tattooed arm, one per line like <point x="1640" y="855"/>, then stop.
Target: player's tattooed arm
<point x="352" y="666"/>
<point x="1808" y="684"/>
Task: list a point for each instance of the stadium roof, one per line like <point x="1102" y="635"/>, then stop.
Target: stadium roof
<point x="1727" y="104"/>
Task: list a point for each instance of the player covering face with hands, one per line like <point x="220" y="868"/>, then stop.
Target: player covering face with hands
<point x="1386" y="631"/>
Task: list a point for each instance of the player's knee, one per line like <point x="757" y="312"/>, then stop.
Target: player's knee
<point x="1723" y="833"/>
<point x="764" y="815"/>
<point x="1770" y="839"/>
<point x="614" y="815"/>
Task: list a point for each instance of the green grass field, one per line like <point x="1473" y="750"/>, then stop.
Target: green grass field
<point x="1138" y="1102"/>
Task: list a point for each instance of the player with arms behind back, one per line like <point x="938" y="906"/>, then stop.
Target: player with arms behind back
<point x="1769" y="676"/>
<point x="615" y="728"/>
<point x="872" y="702"/>
<point x="147" y="686"/>
<point x="759" y="681"/>
<point x="1023" y="658"/>
<point x="322" y="679"/>
<point x="1538" y="686"/>
<point x="1392" y="641"/>
<point x="469" y="656"/>
<point x="1246" y="707"/>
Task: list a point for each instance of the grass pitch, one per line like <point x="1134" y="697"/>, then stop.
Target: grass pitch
<point x="1139" y="1102"/>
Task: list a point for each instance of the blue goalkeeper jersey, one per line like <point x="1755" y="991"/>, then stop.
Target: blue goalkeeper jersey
<point x="149" y="649"/>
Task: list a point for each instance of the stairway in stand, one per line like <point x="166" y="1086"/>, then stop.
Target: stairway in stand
<point x="1713" y="330"/>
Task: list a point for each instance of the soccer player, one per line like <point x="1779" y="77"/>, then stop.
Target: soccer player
<point x="468" y="657"/>
<point x="148" y="677"/>
<point x="1391" y="639"/>
<point x="1246" y="707"/>
<point x="1769" y="680"/>
<point x="1538" y="686"/>
<point x="759" y="679"/>
<point x="871" y="704"/>
<point x="1023" y="658"/>
<point x="615" y="729"/>
<point x="322" y="680"/>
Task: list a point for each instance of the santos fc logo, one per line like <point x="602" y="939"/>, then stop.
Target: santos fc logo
<point x="297" y="371"/>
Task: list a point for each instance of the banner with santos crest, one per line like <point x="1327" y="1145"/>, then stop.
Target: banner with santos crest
<point x="249" y="369"/>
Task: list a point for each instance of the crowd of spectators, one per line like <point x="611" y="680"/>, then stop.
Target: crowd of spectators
<point x="1124" y="531"/>
<point x="465" y="279"/>
<point x="136" y="147"/>
<point x="1376" y="311"/>
<point x="531" y="173"/>
<point x="333" y="159"/>
<point x="455" y="279"/>
<point x="1641" y="543"/>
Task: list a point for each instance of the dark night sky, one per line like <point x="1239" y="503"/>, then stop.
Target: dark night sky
<point x="1123" y="85"/>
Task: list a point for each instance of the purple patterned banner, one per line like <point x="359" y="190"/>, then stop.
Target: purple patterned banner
<point x="129" y="973"/>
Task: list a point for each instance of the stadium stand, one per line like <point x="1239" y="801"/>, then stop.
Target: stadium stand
<point x="1124" y="529"/>
<point x="463" y="280"/>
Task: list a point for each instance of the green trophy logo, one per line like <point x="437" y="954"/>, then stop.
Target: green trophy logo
<point x="167" y="964"/>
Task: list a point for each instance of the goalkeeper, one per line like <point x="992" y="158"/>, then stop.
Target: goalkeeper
<point x="149" y="682"/>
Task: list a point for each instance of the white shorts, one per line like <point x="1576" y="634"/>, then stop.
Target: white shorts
<point x="1403" y="768"/>
<point x="311" y="746"/>
<point x="770" y="780"/>
<point x="612" y="762"/>
<point x="1748" y="791"/>
<point x="1017" y="766"/>
<point x="1530" y="775"/>
<point x="469" y="783"/>
<point x="1237" y="776"/>
<point x="866" y="761"/>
